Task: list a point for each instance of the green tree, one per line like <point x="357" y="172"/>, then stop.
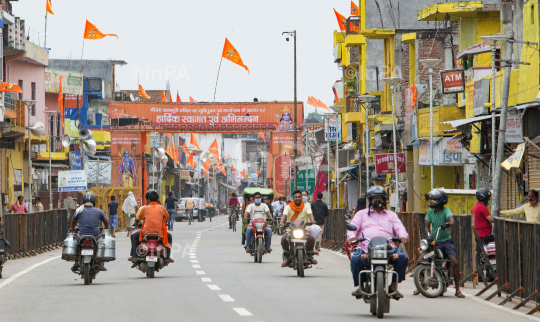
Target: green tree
<point x="314" y="118"/>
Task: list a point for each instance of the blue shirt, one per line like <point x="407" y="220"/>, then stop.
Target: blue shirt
<point x="113" y="206"/>
<point x="89" y="221"/>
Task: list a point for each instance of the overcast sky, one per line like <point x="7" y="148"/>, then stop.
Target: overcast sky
<point x="184" y="40"/>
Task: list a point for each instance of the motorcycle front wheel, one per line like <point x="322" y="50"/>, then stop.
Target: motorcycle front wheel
<point x="150" y="272"/>
<point x="86" y="273"/>
<point x="260" y="250"/>
<point x="300" y="262"/>
<point x="430" y="287"/>
<point x="381" y="295"/>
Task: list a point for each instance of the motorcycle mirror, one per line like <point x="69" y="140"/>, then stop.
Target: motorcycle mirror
<point x="351" y="227"/>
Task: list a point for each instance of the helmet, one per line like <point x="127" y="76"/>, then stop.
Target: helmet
<point x="483" y="195"/>
<point x="89" y="197"/>
<point x="152" y="195"/>
<point x="437" y="198"/>
<point x="376" y="191"/>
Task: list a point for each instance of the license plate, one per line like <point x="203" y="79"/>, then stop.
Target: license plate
<point x="151" y="258"/>
<point x="493" y="261"/>
<point x="298" y="241"/>
<point x="87" y="252"/>
<point x="428" y="255"/>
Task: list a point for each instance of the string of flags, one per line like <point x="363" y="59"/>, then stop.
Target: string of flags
<point x="316" y="102"/>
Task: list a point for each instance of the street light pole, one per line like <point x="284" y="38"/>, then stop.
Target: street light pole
<point x="50" y="115"/>
<point x="367" y="100"/>
<point x="392" y="81"/>
<point x="29" y="104"/>
<point x="295" y="135"/>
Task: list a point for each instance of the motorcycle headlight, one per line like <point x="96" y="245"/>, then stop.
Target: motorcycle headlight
<point x="423" y="245"/>
<point x="378" y="253"/>
<point x="259" y="225"/>
<point x="298" y="233"/>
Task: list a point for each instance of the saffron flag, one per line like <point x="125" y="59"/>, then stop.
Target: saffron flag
<point x="214" y="149"/>
<point x="163" y="97"/>
<point x="186" y="150"/>
<point x="190" y="161"/>
<point x="232" y="168"/>
<point x="257" y="173"/>
<point x="230" y="53"/>
<point x="322" y="105"/>
<point x="354" y="9"/>
<point x="172" y="152"/>
<point x="49" y="7"/>
<point x="222" y="169"/>
<point x="413" y="96"/>
<point x="178" y="99"/>
<point x="91" y="32"/>
<point x="206" y="167"/>
<point x="170" y="97"/>
<point x="217" y="166"/>
<point x="192" y="100"/>
<point x="194" y="141"/>
<point x="261" y="134"/>
<point x="342" y="21"/>
<point x="142" y="93"/>
<point x="60" y="100"/>
<point x="244" y="174"/>
<point x="169" y="136"/>
<point x="11" y="88"/>
<point x="228" y="156"/>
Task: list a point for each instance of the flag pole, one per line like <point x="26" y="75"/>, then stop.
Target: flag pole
<point x="45" y="43"/>
<point x="215" y="89"/>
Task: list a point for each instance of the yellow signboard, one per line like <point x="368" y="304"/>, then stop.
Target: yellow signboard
<point x="515" y="159"/>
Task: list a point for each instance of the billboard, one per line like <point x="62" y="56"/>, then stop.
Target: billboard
<point x="126" y="156"/>
<point x="283" y="143"/>
<point x="98" y="171"/>
<point x="72" y="82"/>
<point x="75" y="160"/>
<point x="218" y="117"/>
<point x="282" y="168"/>
<point x="446" y="152"/>
<point x="385" y="164"/>
<point x="311" y="138"/>
<point x="302" y="182"/>
<point x="332" y="129"/>
<point x="74" y="180"/>
<point x="453" y="81"/>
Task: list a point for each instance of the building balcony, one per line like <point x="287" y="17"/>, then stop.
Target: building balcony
<point x="31" y="53"/>
<point x="15" y="115"/>
<point x="440" y="114"/>
<point x="354" y="117"/>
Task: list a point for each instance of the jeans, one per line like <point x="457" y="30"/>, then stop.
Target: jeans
<point x="267" y="237"/>
<point x="359" y="264"/>
<point x="170" y="221"/>
<point x="310" y="244"/>
<point x="135" y="243"/>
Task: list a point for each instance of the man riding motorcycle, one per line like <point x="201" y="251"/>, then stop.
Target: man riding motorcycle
<point x="372" y="222"/>
<point x="88" y="220"/>
<point x="154" y="217"/>
<point x="296" y="210"/>
<point x="258" y="210"/>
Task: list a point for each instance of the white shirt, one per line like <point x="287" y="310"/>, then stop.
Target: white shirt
<point x="278" y="205"/>
<point x="257" y="212"/>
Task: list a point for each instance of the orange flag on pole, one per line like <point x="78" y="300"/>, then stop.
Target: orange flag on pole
<point x="61" y="100"/>
<point x="172" y="152"/>
<point x="192" y="100"/>
<point x="342" y="21"/>
<point x="214" y="149"/>
<point x="190" y="161"/>
<point x="261" y="134"/>
<point x="10" y="88"/>
<point x="230" y="53"/>
<point x="170" y="97"/>
<point x="142" y="93"/>
<point x="169" y="136"/>
<point x="222" y="169"/>
<point x="354" y="9"/>
<point x="257" y="173"/>
<point x="322" y="105"/>
<point x="206" y="167"/>
<point x="232" y="168"/>
<point x="178" y="99"/>
<point x="163" y="97"/>
<point x="194" y="141"/>
<point x="228" y="156"/>
<point x="91" y="32"/>
<point x="49" y="7"/>
<point x="244" y="174"/>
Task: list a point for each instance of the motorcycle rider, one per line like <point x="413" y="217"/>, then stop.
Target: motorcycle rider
<point x="258" y="210"/>
<point x="88" y="220"/>
<point x="377" y="221"/>
<point x="297" y="210"/>
<point x="154" y="217"/>
<point x="483" y="223"/>
<point x="437" y="216"/>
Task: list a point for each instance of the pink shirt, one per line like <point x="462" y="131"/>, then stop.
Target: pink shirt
<point x="385" y="224"/>
<point x="18" y="210"/>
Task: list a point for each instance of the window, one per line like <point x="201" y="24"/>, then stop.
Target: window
<point x="21" y="86"/>
<point x="33" y="86"/>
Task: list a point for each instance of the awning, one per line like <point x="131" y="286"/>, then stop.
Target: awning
<point x="457" y="137"/>
<point x="426" y="138"/>
<point x="474" y="50"/>
<point x="348" y="168"/>
<point x="456" y="123"/>
<point x="524" y="106"/>
<point x="227" y="186"/>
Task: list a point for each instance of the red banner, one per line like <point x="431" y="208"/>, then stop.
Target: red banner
<point x="384" y="163"/>
<point x="126" y="157"/>
<point x="281" y="170"/>
<point x="283" y="143"/>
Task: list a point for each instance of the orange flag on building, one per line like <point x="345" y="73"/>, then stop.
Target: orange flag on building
<point x="142" y="93"/>
<point x="169" y="136"/>
<point x="91" y="32"/>
<point x="49" y="7"/>
<point x="163" y="97"/>
<point x="222" y="169"/>
<point x="232" y="168"/>
<point x="206" y="167"/>
<point x="257" y="173"/>
<point x="186" y="150"/>
<point x="230" y="53"/>
<point x="10" y="88"/>
<point x="178" y="99"/>
<point x="192" y="100"/>
<point x="170" y="97"/>
<point x="228" y="156"/>
<point x="261" y="134"/>
<point x="214" y="149"/>
<point x="194" y="141"/>
<point x="190" y="161"/>
<point x="61" y="100"/>
<point x="354" y="9"/>
<point x="322" y="105"/>
<point x="244" y="174"/>
<point x="342" y="21"/>
<point x="172" y="152"/>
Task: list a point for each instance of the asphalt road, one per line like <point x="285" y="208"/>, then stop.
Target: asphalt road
<point x="213" y="279"/>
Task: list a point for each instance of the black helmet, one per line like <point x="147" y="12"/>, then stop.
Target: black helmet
<point x="152" y="195"/>
<point x="89" y="197"/>
<point x="437" y="198"/>
<point x="376" y="191"/>
<point x="483" y="195"/>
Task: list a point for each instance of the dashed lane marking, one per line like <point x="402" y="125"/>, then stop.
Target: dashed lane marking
<point x="196" y="266"/>
<point x="206" y="279"/>
<point x="226" y="298"/>
<point x="200" y="272"/>
<point x="242" y="311"/>
<point x="194" y="261"/>
<point x="214" y="287"/>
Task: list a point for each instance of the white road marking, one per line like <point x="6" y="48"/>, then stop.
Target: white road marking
<point x="194" y="261"/>
<point x="196" y="266"/>
<point x="192" y="256"/>
<point x="206" y="279"/>
<point x="226" y="298"/>
<point x="21" y="273"/>
<point x="242" y="311"/>
<point x="214" y="287"/>
<point x="200" y="273"/>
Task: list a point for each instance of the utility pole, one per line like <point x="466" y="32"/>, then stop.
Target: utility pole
<point x="295" y="137"/>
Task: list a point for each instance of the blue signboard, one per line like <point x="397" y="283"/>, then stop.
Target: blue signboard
<point x="75" y="160"/>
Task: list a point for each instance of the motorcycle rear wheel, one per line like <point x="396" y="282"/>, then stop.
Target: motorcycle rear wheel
<point x="86" y="273"/>
<point x="381" y="295"/>
<point x="260" y="250"/>
<point x="300" y="262"/>
<point x="423" y="272"/>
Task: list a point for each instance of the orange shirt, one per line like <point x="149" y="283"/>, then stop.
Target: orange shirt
<point x="153" y="215"/>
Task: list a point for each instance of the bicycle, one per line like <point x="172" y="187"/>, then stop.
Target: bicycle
<point x="233" y="219"/>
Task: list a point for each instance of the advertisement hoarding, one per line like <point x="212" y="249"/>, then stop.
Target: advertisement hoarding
<point x="332" y="129"/>
<point x="385" y="164"/>
<point x="74" y="180"/>
<point x="282" y="167"/>
<point x="126" y="156"/>
<point x="283" y="143"/>
<point x="98" y="172"/>
<point x="453" y="81"/>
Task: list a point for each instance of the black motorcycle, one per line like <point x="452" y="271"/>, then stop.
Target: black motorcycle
<point x="434" y="273"/>
<point x="375" y="289"/>
<point x="300" y="258"/>
<point x="4" y="246"/>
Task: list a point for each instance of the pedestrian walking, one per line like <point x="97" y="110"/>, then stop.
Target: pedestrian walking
<point x="39" y="205"/>
<point x="320" y="212"/>
<point x="170" y="204"/>
<point x="130" y="209"/>
<point x="18" y="207"/>
<point x="113" y="215"/>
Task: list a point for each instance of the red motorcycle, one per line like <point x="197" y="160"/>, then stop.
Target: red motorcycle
<point x="258" y="239"/>
<point x="151" y="255"/>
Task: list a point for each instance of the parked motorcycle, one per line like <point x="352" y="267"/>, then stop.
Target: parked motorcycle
<point x="434" y="273"/>
<point x="89" y="253"/>
<point x="300" y="258"/>
<point x="258" y="239"/>
<point x="151" y="255"/>
<point x="490" y="251"/>
<point x="4" y="246"/>
<point x="375" y="290"/>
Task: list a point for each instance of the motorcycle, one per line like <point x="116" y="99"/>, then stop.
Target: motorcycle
<point x="277" y="216"/>
<point x="151" y="255"/>
<point x="375" y="290"/>
<point x="258" y="239"/>
<point x="4" y="245"/>
<point x="489" y="248"/>
<point x="300" y="259"/>
<point x="89" y="253"/>
<point x="433" y="274"/>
